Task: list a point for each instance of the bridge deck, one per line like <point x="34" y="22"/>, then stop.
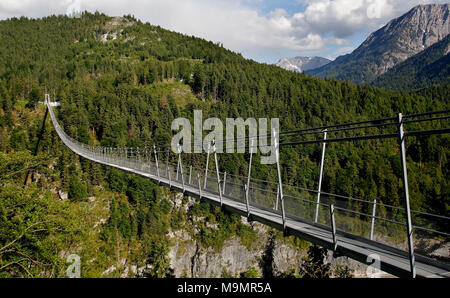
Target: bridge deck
<point x="392" y="260"/>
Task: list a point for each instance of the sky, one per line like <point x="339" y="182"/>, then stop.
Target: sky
<point x="262" y="30"/>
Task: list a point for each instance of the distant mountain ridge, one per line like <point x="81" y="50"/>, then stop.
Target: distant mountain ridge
<point x="301" y="63"/>
<point x="400" y="39"/>
<point x="431" y="66"/>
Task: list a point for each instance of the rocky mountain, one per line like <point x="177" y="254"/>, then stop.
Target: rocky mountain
<point x="400" y="39"/>
<point x="301" y="64"/>
<point x="431" y="66"/>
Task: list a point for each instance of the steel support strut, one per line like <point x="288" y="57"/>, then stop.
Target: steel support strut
<point x="199" y="187"/>
<point x="247" y="186"/>
<point x="207" y="164"/>
<point x="218" y="175"/>
<point x="319" y="189"/>
<point x="156" y="161"/>
<point x="167" y="161"/>
<point x="170" y="179"/>
<point x="224" y="182"/>
<point x="401" y="141"/>
<point x="277" y="199"/>
<point x="280" y="184"/>
<point x="178" y="165"/>
<point x="333" y="229"/>
<point x="372" y="221"/>
<point x="181" y="166"/>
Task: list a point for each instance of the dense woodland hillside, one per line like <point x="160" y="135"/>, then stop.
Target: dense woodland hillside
<point x="121" y="83"/>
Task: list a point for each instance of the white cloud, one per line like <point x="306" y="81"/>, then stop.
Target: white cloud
<point x="237" y="23"/>
<point x="343" y="50"/>
<point x="335" y="40"/>
<point x="342" y="18"/>
<point x="32" y="8"/>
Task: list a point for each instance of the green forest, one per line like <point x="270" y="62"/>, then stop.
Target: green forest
<point x="120" y="83"/>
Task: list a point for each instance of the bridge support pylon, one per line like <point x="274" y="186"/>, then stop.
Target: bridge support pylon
<point x="280" y="184"/>
<point x="247" y="186"/>
<point x="401" y="141"/>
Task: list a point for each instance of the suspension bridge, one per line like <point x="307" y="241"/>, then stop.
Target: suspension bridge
<point x="369" y="231"/>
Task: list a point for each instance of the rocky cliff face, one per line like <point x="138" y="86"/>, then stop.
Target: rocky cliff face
<point x="189" y="259"/>
<point x="400" y="39"/>
<point x="301" y="64"/>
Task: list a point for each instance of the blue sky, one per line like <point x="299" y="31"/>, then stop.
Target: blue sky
<point x="262" y="30"/>
<point x="270" y="5"/>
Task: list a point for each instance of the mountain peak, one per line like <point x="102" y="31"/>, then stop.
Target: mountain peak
<point x="302" y="63"/>
<point x="421" y="27"/>
<point x="399" y="39"/>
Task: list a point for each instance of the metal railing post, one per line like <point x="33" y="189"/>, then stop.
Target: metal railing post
<point x="406" y="193"/>
<point x="372" y="223"/>
<point x="224" y="182"/>
<point x="333" y="229"/>
<point x="247" y="188"/>
<point x="218" y="175"/>
<point x="178" y="165"/>
<point x="150" y="163"/>
<point x="167" y="161"/>
<point x="199" y="186"/>
<point x="131" y="157"/>
<point x="206" y="169"/>
<point x="190" y="174"/>
<point x="319" y="189"/>
<point x="280" y="184"/>
<point x="181" y="167"/>
<point x="147" y="159"/>
<point x="156" y="161"/>
<point x="137" y="156"/>
<point x="278" y="197"/>
<point x="170" y="179"/>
